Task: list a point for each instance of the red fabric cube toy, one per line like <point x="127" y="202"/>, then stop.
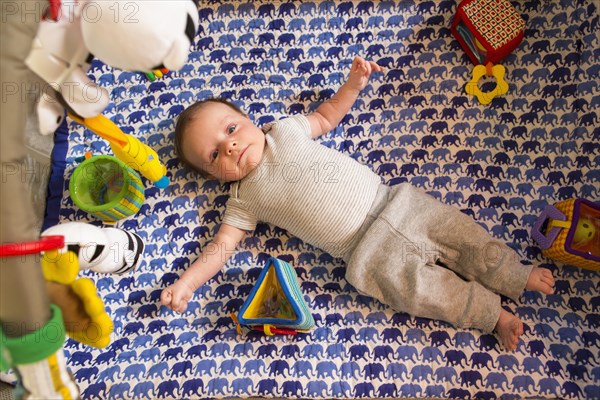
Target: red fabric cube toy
<point x="488" y="30"/>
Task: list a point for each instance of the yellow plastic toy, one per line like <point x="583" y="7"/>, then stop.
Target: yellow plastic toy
<point x="128" y="149"/>
<point x="497" y="71"/>
<point x="63" y="268"/>
<point x="584" y="233"/>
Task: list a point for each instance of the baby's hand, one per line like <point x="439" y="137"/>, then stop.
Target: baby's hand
<point x="176" y="296"/>
<point x="360" y="71"/>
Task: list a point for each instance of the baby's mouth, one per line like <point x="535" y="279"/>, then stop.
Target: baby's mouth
<point x="241" y="154"/>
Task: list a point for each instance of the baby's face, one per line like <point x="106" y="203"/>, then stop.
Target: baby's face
<point x="223" y="142"/>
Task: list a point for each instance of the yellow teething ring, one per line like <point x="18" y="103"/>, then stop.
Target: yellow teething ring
<point x="497" y="71"/>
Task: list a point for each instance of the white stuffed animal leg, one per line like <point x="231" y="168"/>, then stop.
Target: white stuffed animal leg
<point x="104" y="250"/>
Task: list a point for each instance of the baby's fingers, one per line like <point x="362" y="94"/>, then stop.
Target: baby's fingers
<point x="358" y="63"/>
<point x="376" y="67"/>
<point x="166" y="297"/>
<point x="182" y="306"/>
<point x="357" y="68"/>
<point x="367" y="68"/>
<point x="180" y="301"/>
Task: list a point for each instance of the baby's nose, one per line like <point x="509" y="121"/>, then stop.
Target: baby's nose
<point x="231" y="146"/>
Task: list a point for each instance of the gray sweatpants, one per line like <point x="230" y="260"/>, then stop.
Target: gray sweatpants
<point x="404" y="239"/>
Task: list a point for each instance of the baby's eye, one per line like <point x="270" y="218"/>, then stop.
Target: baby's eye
<point x="214" y="155"/>
<point x="231" y="129"/>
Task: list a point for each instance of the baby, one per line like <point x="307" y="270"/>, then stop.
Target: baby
<point x="401" y="246"/>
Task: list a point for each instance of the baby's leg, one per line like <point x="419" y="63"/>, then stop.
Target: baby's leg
<point x="460" y="243"/>
<point x="380" y="268"/>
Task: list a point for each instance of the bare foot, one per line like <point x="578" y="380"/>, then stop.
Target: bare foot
<point x="509" y="327"/>
<point x="540" y="280"/>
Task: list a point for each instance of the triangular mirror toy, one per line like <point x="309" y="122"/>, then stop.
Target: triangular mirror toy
<point x="276" y="302"/>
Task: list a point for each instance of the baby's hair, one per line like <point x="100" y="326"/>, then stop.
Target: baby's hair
<point x="183" y="121"/>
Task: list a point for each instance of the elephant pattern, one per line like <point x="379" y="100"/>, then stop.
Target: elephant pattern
<point x="501" y="164"/>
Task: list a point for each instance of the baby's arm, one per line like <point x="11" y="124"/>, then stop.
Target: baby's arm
<point x="330" y="113"/>
<point x="213" y="258"/>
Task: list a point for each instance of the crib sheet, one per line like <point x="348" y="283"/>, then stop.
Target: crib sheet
<point x="500" y="163"/>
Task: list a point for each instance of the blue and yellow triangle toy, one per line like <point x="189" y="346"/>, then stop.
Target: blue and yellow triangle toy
<point x="276" y="302"/>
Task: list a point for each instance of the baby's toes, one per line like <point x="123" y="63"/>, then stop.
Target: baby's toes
<point x="548" y="281"/>
<point x="546" y="288"/>
<point x="546" y="273"/>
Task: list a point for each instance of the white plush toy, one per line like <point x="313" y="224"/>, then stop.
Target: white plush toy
<point x="104" y="250"/>
<point x="135" y="35"/>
